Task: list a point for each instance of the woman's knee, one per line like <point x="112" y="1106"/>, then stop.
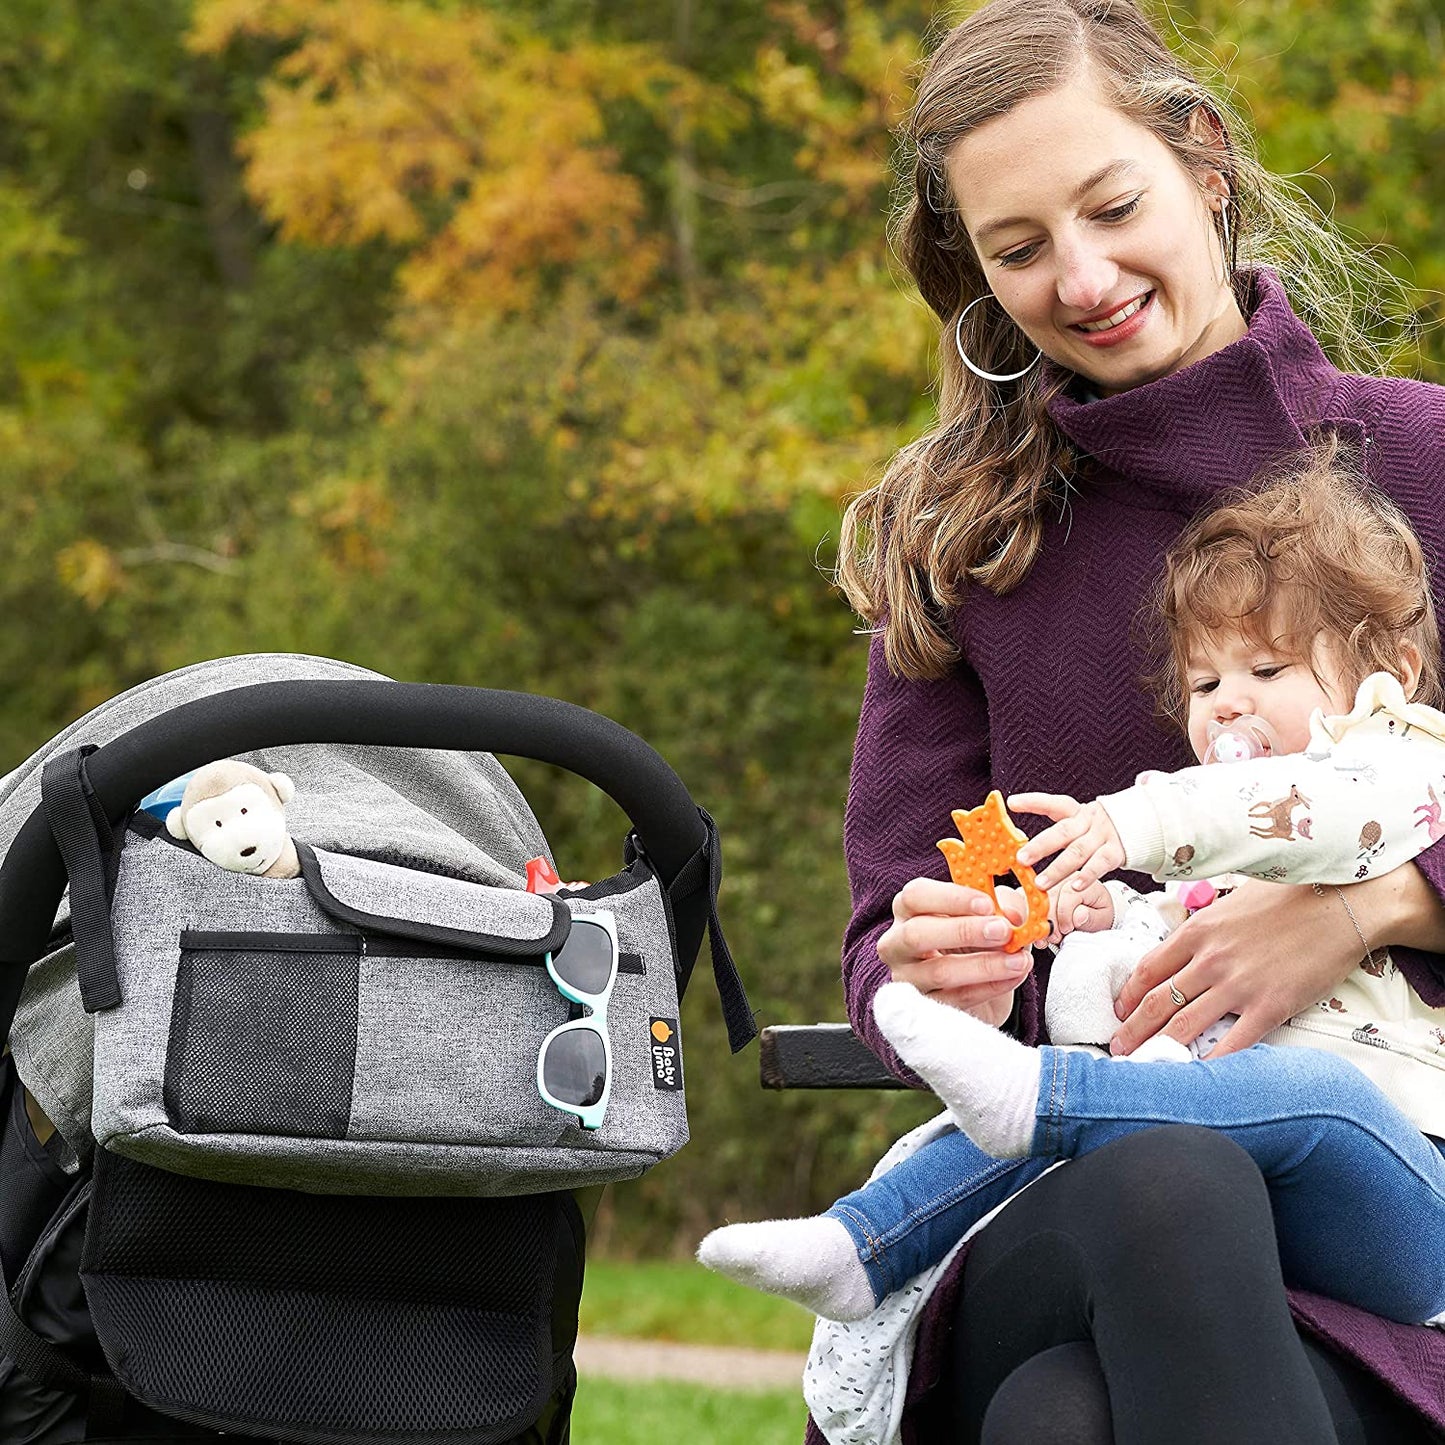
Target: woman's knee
<point x="1184" y="1181"/>
<point x="1057" y="1397"/>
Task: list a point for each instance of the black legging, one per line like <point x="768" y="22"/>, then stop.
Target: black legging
<point x="1133" y="1297"/>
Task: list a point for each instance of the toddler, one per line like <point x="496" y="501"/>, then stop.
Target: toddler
<point x="1307" y="605"/>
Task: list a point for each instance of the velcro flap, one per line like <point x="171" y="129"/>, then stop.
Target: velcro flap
<point x="383" y="898"/>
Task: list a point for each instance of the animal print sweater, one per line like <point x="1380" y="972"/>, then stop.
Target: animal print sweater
<point x="1363" y="798"/>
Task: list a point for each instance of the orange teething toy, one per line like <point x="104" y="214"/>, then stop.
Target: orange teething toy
<point x="990" y="846"/>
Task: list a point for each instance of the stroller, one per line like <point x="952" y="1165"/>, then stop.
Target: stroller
<point x="305" y="1182"/>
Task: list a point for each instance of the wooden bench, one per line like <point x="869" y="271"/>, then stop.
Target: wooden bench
<point x="819" y="1056"/>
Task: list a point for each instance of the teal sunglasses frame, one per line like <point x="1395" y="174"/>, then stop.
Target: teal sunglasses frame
<point x="590" y="1116"/>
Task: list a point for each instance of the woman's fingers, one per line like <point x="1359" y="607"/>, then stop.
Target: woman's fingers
<point x="1013" y="902"/>
<point x="1157" y="965"/>
<point x="928" y="933"/>
<point x="936" y="896"/>
<point x="930" y="916"/>
<point x="1146" y="1007"/>
<point x="1263" y="952"/>
<point x="946" y="972"/>
<point x="1248" y="1029"/>
<point x="946" y="940"/>
<point x="1160" y="1012"/>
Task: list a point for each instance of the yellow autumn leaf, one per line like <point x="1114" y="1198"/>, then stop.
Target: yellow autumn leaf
<point x="90" y="570"/>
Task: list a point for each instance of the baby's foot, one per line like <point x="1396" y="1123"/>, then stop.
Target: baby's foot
<point x="812" y="1261"/>
<point x="989" y="1081"/>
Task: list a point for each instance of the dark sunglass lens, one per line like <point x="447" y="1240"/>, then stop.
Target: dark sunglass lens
<point x="574" y="1067"/>
<point x="585" y="959"/>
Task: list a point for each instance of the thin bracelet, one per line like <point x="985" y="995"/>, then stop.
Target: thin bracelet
<point x="1350" y="914"/>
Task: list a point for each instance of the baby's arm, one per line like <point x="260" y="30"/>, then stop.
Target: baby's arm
<point x="1358" y="810"/>
<point x="1339" y="817"/>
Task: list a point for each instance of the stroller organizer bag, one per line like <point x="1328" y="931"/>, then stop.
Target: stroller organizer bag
<point x="367" y="1028"/>
<point x="323" y="1178"/>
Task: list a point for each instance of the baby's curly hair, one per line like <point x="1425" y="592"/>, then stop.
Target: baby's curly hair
<point x="1313" y="552"/>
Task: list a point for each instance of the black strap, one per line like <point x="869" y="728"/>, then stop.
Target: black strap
<point x="83" y="835"/>
<point x="704" y="868"/>
<point x="48" y="1364"/>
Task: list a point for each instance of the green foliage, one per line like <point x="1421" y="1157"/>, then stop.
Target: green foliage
<point x="536" y="345"/>
<point x="1349" y="98"/>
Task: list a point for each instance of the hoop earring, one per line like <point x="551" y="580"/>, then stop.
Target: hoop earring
<point x="978" y="370"/>
<point x="1228" y="248"/>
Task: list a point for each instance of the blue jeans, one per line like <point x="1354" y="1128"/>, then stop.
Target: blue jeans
<point x="1358" y="1192"/>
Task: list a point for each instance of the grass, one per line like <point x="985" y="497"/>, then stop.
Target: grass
<point x="612" y="1412"/>
<point x="681" y="1301"/>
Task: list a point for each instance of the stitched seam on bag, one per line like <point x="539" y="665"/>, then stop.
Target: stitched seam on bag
<point x="311" y="1160"/>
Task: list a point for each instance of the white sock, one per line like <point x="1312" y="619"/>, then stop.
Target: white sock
<point x="811" y="1261"/>
<point x="989" y="1081"/>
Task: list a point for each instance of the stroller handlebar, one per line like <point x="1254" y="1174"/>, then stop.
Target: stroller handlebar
<point x="390" y="714"/>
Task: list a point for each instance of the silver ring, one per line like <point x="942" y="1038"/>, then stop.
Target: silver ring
<point x="1176" y="996"/>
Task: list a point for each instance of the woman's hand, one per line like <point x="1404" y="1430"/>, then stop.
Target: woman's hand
<point x="947" y="941"/>
<point x="1266" y="951"/>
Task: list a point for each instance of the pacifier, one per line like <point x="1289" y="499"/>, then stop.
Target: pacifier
<point x="1240" y="740"/>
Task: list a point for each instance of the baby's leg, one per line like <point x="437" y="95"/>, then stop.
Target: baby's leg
<point x="1358" y="1192"/>
<point x="843" y="1263"/>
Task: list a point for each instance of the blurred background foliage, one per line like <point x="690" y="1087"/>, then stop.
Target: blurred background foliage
<point x="534" y="344"/>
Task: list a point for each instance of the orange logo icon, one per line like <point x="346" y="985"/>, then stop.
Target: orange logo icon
<point x="660" y="1030"/>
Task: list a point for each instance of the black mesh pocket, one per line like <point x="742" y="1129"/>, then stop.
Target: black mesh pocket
<point x="327" y="1318"/>
<point x="263" y="1034"/>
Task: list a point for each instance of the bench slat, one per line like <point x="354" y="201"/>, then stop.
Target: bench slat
<point x="819" y="1056"/>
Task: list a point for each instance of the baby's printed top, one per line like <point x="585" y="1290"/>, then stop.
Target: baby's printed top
<point x="1363" y="798"/>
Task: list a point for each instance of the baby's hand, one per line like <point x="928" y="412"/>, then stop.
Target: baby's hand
<point x="1078" y="905"/>
<point x="1088" y="840"/>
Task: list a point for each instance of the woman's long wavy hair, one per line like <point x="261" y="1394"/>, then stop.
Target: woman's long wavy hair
<point x="966" y="502"/>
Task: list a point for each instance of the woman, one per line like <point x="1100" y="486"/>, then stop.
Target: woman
<point x="1079" y="210"/>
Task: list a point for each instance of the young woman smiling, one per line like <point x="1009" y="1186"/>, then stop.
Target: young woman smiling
<point x="1089" y="229"/>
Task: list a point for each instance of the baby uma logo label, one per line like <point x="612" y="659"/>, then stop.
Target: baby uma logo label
<point x="666" y="1055"/>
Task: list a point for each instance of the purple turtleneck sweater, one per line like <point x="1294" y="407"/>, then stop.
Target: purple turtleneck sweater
<point x="1077" y="718"/>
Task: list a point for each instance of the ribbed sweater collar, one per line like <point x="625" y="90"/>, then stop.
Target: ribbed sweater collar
<point x="1216" y="423"/>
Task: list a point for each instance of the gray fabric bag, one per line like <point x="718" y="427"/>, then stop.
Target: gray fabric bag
<point x="373" y="1026"/>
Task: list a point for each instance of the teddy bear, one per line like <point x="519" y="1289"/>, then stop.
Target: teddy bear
<point x="236" y="816"/>
<point x="1091" y="969"/>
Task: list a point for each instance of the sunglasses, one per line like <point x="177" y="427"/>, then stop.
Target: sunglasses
<point x="574" y="1064"/>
